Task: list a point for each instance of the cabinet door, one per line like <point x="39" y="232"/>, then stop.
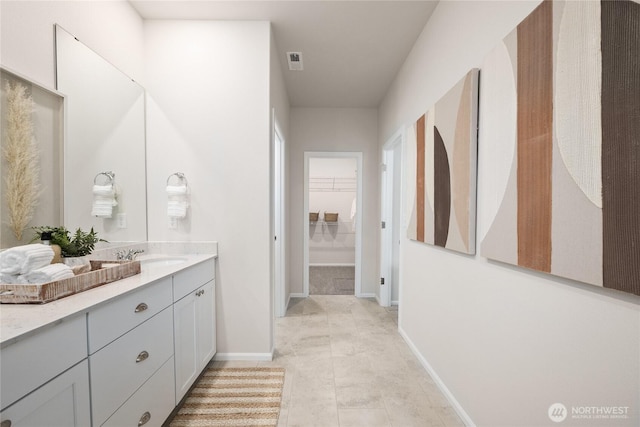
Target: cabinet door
<point x="186" y="361"/>
<point x="206" y="326"/>
<point x="63" y="402"/>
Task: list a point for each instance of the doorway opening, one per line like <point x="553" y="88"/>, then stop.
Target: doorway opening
<point x="332" y="218"/>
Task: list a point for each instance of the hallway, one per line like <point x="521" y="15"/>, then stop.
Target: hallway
<point x="346" y="365"/>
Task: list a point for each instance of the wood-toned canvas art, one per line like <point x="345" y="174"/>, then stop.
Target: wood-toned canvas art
<point x="560" y="138"/>
<point x="443" y="144"/>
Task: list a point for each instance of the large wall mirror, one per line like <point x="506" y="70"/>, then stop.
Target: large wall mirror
<point x="104" y="143"/>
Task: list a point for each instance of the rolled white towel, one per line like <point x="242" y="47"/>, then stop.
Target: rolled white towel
<point x="50" y="273"/>
<point x="104" y="190"/>
<point x="23" y="259"/>
<point x="9" y="279"/>
<point x="176" y="190"/>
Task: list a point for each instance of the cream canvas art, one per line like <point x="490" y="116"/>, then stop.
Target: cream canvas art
<point x="560" y="135"/>
<point x="443" y="146"/>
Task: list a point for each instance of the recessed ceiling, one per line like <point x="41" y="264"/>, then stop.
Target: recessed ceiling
<point x="352" y="49"/>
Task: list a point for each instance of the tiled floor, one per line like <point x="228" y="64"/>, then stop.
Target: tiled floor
<point x="332" y="280"/>
<point x="346" y="365"/>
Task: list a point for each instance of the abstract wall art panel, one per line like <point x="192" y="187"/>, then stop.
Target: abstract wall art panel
<point x="443" y="143"/>
<point x="560" y="143"/>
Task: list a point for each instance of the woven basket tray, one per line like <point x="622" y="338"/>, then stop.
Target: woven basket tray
<point x="39" y="293"/>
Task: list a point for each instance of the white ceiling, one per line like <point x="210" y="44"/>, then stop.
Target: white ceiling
<point x="351" y="49"/>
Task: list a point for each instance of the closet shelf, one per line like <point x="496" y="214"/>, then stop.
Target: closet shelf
<point x="332" y="184"/>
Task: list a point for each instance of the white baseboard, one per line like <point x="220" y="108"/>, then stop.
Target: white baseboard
<point x="367" y="295"/>
<point x="466" y="419"/>
<point x="259" y="357"/>
<point x="297" y="295"/>
<point x="395" y="302"/>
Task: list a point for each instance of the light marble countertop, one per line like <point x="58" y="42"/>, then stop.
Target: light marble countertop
<point x="18" y="321"/>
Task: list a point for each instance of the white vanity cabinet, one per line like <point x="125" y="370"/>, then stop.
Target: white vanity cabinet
<point x="142" y="325"/>
<point x="45" y="377"/>
<point x="63" y="402"/>
<point x="124" y="356"/>
<point x="194" y="324"/>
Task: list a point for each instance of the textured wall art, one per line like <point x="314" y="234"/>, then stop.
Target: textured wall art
<point x="560" y="135"/>
<point x="444" y="143"/>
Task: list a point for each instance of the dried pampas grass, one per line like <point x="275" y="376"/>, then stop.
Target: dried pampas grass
<point x="21" y="155"/>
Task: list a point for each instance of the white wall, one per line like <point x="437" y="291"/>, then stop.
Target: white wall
<point x="208" y="116"/>
<point x="111" y="28"/>
<point x="506" y="342"/>
<point x="335" y="129"/>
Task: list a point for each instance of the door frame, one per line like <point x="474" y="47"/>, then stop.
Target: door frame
<point x="305" y="211"/>
<point x="389" y="187"/>
<point x="279" y="228"/>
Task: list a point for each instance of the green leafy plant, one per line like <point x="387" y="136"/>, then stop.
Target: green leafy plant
<point x="81" y="243"/>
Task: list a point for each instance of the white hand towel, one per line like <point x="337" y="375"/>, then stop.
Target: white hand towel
<point x="50" y="273"/>
<point x="177" y="208"/>
<point x="176" y="190"/>
<point x="23" y="259"/>
<point x="178" y="203"/>
<point x="104" y="199"/>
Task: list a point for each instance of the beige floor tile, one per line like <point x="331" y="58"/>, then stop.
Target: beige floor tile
<point x="347" y="365"/>
<point x="359" y="396"/>
<point x="449" y="417"/>
<point x="283" y="417"/>
<point x="313" y="415"/>
<point x="363" y="417"/>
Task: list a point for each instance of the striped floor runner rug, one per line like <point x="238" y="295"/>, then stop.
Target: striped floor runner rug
<point x="233" y="397"/>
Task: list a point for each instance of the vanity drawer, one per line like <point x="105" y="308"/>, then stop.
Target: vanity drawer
<point x="120" y="368"/>
<point x="153" y="402"/>
<point x="108" y="322"/>
<point x="31" y="362"/>
<point x="192" y="278"/>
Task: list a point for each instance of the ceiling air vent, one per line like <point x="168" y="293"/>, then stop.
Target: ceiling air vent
<point x="295" y="61"/>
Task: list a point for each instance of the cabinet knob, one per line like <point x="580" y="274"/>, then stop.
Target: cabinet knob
<point x="5" y="423"/>
<point x="144" y="418"/>
<point x="141" y="307"/>
<point x="200" y="292"/>
<point x="144" y="355"/>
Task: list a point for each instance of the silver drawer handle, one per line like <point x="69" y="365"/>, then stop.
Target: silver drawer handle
<point x="5" y="423"/>
<point x="200" y="292"/>
<point x="144" y="355"/>
<point x="141" y="307"/>
<point x="144" y="418"/>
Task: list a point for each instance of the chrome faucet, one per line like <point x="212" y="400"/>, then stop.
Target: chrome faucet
<point x="128" y="255"/>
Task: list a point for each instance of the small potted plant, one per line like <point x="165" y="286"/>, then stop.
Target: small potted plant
<point x="74" y="247"/>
